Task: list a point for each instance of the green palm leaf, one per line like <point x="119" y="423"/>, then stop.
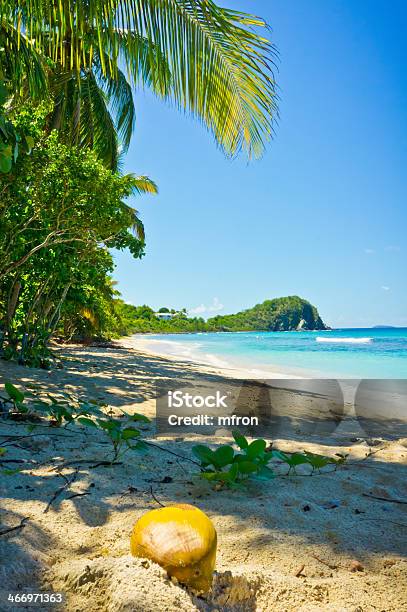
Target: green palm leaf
<point x="221" y="68"/>
<point x="141" y="184"/>
<point x="102" y="137"/>
<point x="119" y="96"/>
<point x="20" y="62"/>
<point x="81" y="113"/>
<point x="138" y="185"/>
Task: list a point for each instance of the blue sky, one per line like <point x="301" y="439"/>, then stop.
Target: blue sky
<point x="322" y="214"/>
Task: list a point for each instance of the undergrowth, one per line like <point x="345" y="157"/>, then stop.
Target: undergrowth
<point x="225" y="466"/>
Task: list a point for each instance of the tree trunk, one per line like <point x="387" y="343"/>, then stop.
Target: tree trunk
<point x="13" y="300"/>
<point x="57" y="312"/>
<point x="11" y="310"/>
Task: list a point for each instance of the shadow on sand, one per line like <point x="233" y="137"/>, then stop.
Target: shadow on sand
<point x="333" y="510"/>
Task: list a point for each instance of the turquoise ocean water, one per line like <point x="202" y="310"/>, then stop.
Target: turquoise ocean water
<point x="347" y="353"/>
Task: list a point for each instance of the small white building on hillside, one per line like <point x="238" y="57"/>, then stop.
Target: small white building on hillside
<point x="164" y="316"/>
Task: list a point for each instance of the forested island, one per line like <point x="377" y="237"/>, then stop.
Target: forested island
<point x="290" y="313"/>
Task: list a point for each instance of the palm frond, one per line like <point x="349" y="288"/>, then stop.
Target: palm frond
<point x="222" y="71"/>
<point x="82" y="115"/>
<point x="138" y="228"/>
<point x="20" y="62"/>
<point x="145" y="62"/>
<point x="103" y="137"/>
<point x="120" y="99"/>
<point x="141" y="184"/>
<point x="221" y="68"/>
<point x="137" y="186"/>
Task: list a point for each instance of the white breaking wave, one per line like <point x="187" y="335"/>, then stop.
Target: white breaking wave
<point x="345" y="340"/>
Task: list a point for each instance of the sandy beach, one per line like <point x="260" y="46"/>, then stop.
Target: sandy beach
<point x="332" y="542"/>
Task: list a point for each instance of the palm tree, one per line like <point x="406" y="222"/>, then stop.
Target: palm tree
<point x="209" y="60"/>
<point x="92" y="107"/>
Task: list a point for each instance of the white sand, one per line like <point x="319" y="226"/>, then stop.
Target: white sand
<point x="81" y="545"/>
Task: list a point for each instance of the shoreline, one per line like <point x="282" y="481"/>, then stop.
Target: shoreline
<point x="339" y="354"/>
<point x="139" y="342"/>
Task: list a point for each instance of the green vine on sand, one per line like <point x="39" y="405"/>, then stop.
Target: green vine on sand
<point x="225" y="466"/>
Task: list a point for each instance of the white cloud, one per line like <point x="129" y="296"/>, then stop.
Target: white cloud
<point x="216" y="306"/>
<point x="369" y="251"/>
<point x="385" y="288"/>
<point x="198" y="310"/>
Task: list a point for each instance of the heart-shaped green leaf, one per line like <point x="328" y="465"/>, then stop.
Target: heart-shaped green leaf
<point x="317" y="461"/>
<point x="256" y="448"/>
<point x="223" y="455"/>
<point x="13" y="392"/>
<point x="247" y="467"/>
<point x="203" y="453"/>
<point x="233" y="472"/>
<point x="265" y="473"/>
<point x="87" y="422"/>
<point x="297" y="459"/>
<point x="240" y="439"/>
<point x="139" y="417"/>
<point x="129" y="433"/>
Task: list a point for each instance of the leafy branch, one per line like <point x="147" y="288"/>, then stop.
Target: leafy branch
<point x="66" y="410"/>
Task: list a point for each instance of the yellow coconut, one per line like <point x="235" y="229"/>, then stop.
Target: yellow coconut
<point x="180" y="538"/>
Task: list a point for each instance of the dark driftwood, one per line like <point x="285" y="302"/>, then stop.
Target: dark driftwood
<point x="59" y="491"/>
<point x="386" y="499"/>
<point x="330" y="565"/>
<point x="155" y="499"/>
<point x="299" y="571"/>
<point x="20" y="526"/>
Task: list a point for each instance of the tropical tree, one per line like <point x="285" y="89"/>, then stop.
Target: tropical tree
<point x="61" y="210"/>
<point x="64" y="207"/>
<point x="209" y="60"/>
<point x="11" y="140"/>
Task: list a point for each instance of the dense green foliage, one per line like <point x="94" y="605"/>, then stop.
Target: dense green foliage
<point x="66" y="117"/>
<point x="67" y="409"/>
<point x="280" y="314"/>
<point x="209" y="60"/>
<point x="227" y="467"/>
<point x="142" y="319"/>
<point x="61" y="210"/>
<point x="13" y="141"/>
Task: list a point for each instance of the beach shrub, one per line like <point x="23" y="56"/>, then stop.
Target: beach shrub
<point x="14" y="402"/>
<point x="61" y="210"/>
<point x="226" y="466"/>
<point x="66" y="409"/>
<point x="59" y="411"/>
<point x="231" y="468"/>
<point x="121" y="433"/>
<point x="313" y="459"/>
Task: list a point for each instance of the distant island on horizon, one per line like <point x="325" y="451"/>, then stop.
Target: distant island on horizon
<point x="290" y="313"/>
